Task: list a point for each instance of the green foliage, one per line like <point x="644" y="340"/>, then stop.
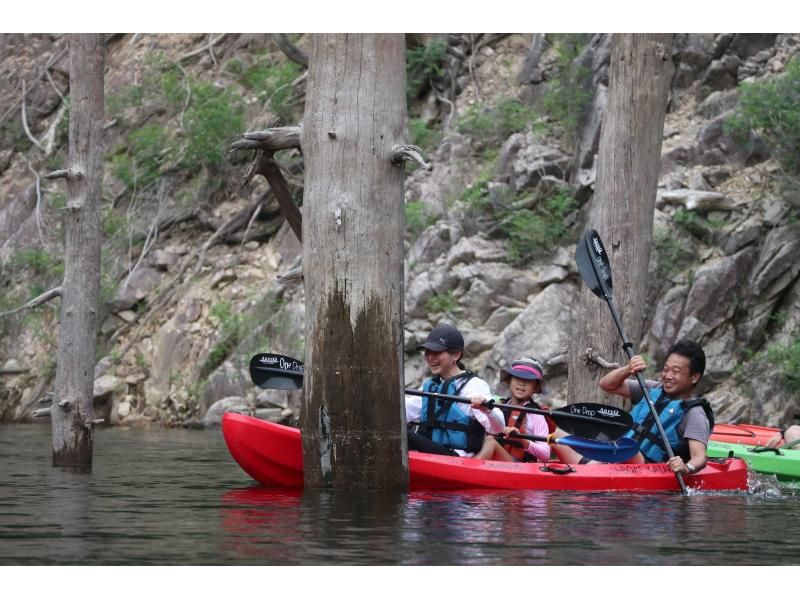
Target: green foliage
<point x="112" y="222"/>
<point x="424" y="63"/>
<point x="493" y="124"/>
<point x="233" y="328"/>
<point x="539" y="230"/>
<point x="771" y="110"/>
<point x="214" y="116"/>
<point x="417" y="218"/>
<point x="787" y="359"/>
<point x="270" y="81"/>
<point x="421" y="135"/>
<point x="476" y="196"/>
<point x="671" y="253"/>
<point x="38" y="262"/>
<point x="147" y="148"/>
<point x="445" y="303"/>
<point x="566" y="94"/>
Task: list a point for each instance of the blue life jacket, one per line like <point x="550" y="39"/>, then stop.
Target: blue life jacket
<point x="670" y="413"/>
<point x="442" y="421"/>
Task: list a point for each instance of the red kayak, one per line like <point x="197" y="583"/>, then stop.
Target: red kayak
<point x="272" y="455"/>
<point x="743" y="434"/>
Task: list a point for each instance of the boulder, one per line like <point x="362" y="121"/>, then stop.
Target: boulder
<point x="213" y="417"/>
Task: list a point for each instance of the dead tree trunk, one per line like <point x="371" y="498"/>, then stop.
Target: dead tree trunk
<point x="71" y="413"/>
<point x="355" y="115"/>
<point x="624" y="203"/>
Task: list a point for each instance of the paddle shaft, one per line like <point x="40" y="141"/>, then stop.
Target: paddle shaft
<point x="628" y="348"/>
<point x="509" y="407"/>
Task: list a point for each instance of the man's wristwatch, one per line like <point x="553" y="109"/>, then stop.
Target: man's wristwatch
<point x="691" y="468"/>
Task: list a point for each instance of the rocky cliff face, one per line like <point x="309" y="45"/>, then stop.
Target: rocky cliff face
<point x="192" y="257"/>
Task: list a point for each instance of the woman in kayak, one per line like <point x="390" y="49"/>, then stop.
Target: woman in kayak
<point x="524" y="379"/>
<point x="447" y="427"/>
<point x="686" y="418"/>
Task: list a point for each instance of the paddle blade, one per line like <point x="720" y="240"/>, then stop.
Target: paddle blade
<point x="606" y="423"/>
<point x="608" y="452"/>
<point x="270" y="370"/>
<point x="593" y="264"/>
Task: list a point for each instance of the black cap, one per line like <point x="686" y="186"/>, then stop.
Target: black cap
<point x="443" y="338"/>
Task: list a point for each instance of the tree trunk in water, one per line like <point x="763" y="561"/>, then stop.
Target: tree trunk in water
<point x="72" y="413"/>
<point x="353" y="412"/>
<point x="624" y="203"/>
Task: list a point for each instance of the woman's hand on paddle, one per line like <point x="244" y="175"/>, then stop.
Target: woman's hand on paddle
<point x="509" y="430"/>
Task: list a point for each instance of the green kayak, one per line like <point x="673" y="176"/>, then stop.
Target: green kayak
<point x="783" y="462"/>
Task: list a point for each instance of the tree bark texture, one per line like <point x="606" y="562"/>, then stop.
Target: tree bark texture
<point x="623" y="205"/>
<point x="72" y="407"/>
<point x="353" y="413"/>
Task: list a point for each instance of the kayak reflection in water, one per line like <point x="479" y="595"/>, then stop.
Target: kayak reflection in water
<point x="524" y="379"/>
<point x="686" y="418"/>
<point x="789" y="436"/>
<point x="445" y="427"/>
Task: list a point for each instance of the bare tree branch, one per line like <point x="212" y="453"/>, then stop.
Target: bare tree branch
<point x="291" y="51"/>
<point x="410" y="153"/>
<point x="204" y="48"/>
<point x="43" y="298"/>
<point x="38" y="201"/>
<point x="25" y="121"/>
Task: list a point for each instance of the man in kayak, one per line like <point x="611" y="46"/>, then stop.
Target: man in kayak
<point x="686" y="418"/>
<point x="524" y="379"/>
<point x="447" y="427"/>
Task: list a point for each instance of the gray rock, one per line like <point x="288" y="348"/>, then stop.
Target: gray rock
<point x="140" y="284"/>
<point x="213" y="417"/>
<point x="720" y="277"/>
<point x="777" y="267"/>
<point x="542" y="329"/>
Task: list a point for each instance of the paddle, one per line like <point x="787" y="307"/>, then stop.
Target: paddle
<point x="590" y="420"/>
<point x="608" y="452"/>
<point x="595" y="269"/>
<point x="269" y="370"/>
<point x="605" y="423"/>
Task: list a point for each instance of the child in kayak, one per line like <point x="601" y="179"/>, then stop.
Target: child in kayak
<point x="524" y="379"/>
<point x="448" y="427"/>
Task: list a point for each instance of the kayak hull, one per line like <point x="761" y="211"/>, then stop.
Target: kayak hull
<point x="785" y="464"/>
<point x="272" y="455"/>
<point x="743" y="434"/>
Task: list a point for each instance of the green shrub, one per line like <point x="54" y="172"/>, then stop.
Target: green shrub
<point x="421" y="135"/>
<point x="38" y="262"/>
<point x="213" y="118"/>
<point x="493" y="124"/>
<point x="771" y="110"/>
<point x="671" y="253"/>
<point x="787" y="359"/>
<point x="417" y="218"/>
<point x="271" y="81"/>
<point x="567" y="93"/>
<point x="423" y="63"/>
<point x="445" y="303"/>
<point x="539" y="230"/>
<point x="147" y="148"/>
<point x="233" y="327"/>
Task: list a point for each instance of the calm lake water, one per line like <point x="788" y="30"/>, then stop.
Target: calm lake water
<point x="176" y="497"/>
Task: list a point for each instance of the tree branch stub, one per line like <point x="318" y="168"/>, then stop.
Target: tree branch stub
<point x="410" y="153"/>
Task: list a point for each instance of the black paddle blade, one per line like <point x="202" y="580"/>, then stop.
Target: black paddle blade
<point x="269" y="370"/>
<point x="607" y="423"/>
<point x="593" y="264"/>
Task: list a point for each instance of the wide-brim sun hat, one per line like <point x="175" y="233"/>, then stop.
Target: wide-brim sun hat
<point x="526" y="368"/>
